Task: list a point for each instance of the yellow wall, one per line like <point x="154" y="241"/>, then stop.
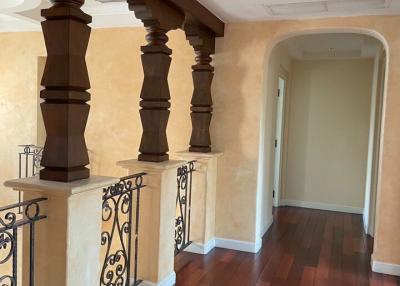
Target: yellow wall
<point x="239" y="88"/>
<point x="328" y="132"/>
<point x="114" y="129"/>
<point x="238" y="92"/>
<point x="18" y="93"/>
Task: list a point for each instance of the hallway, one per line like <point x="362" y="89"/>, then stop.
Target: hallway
<point x="303" y="247"/>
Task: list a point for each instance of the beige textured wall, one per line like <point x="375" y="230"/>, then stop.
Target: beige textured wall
<point x="18" y="93"/>
<point x="116" y="74"/>
<point x="238" y="93"/>
<point x="280" y="64"/>
<point x="328" y="132"/>
<point x="114" y="129"/>
<point x="239" y="89"/>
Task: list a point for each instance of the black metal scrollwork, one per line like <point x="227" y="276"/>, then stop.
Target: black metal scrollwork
<point x="10" y="222"/>
<point x="183" y="206"/>
<point x="116" y="239"/>
<point x="29" y="160"/>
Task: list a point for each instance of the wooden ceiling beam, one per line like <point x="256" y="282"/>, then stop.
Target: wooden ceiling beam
<point x="202" y="14"/>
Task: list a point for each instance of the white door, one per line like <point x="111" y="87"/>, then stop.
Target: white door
<point x="278" y="139"/>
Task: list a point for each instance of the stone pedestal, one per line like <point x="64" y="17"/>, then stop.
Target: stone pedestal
<point x="68" y="240"/>
<point x="202" y="231"/>
<point x="157" y="220"/>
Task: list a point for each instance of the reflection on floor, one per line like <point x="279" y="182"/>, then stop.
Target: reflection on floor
<point x="303" y="247"/>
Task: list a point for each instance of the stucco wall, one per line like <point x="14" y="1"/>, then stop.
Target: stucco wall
<point x="241" y="62"/>
<point x="18" y="91"/>
<point x="114" y="129"/>
<point x="238" y="92"/>
<point x="328" y="132"/>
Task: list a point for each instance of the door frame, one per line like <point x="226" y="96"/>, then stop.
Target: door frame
<point x="281" y="111"/>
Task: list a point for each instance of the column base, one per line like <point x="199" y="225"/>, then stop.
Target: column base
<point x="64" y="175"/>
<point x="200" y="149"/>
<point x="153" y="158"/>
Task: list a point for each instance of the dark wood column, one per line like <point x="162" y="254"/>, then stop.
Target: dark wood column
<point x="158" y="17"/>
<point x="65" y="112"/>
<point x="203" y="43"/>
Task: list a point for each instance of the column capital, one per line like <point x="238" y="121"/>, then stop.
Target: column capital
<point x="199" y="37"/>
<point x="160" y="13"/>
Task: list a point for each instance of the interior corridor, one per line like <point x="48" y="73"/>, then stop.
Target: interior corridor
<point x="303" y="247"/>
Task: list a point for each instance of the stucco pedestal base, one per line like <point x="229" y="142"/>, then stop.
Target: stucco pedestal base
<point x="157" y="220"/>
<point x="204" y="189"/>
<point x="68" y="240"/>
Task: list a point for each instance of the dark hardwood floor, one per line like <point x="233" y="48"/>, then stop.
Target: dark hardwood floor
<point x="303" y="247"/>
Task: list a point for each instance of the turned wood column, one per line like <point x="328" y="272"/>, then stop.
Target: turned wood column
<point x="158" y="17"/>
<point x="203" y="43"/>
<point x="66" y="81"/>
<point x="201" y="115"/>
<point x="155" y="94"/>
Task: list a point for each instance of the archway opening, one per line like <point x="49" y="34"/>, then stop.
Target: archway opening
<point x="322" y="124"/>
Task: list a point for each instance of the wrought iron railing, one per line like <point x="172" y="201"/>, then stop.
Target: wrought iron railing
<point x="28" y="163"/>
<point x="10" y="222"/>
<point x="29" y="160"/>
<point x="183" y="206"/>
<point x="120" y="229"/>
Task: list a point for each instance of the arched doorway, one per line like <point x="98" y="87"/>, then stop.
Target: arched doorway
<point x="274" y="150"/>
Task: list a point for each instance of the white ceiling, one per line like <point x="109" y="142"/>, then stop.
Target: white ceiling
<point x="264" y="10"/>
<point x="332" y="46"/>
<point x="24" y="15"/>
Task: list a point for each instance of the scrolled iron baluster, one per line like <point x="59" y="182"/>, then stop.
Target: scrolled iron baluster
<point x="11" y="280"/>
<point x="9" y="225"/>
<point x="117" y="211"/>
<point x="7" y="243"/>
<point x="183" y="206"/>
<point x="11" y="217"/>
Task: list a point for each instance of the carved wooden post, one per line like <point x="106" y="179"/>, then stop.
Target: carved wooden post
<point x="203" y="72"/>
<point x="158" y="17"/>
<point x="66" y="80"/>
<point x="155" y="94"/>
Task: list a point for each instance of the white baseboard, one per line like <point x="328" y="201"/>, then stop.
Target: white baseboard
<point x="267" y="227"/>
<point x="322" y="206"/>
<point x="168" y="281"/>
<point x="385" y="268"/>
<point x="199" y="248"/>
<point x="239" y="245"/>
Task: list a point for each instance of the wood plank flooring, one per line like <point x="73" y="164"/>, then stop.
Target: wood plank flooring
<point x="303" y="247"/>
